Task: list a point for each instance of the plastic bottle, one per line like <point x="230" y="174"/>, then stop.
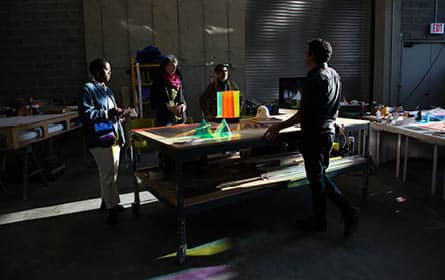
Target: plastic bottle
<point x="378" y="115"/>
<point x="351" y="144"/>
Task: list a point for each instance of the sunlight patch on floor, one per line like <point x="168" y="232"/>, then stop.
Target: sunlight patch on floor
<point x="69" y="208"/>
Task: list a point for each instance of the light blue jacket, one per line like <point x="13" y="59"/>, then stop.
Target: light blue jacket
<point x="94" y="107"/>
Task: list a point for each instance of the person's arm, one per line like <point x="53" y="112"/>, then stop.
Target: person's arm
<point x="181" y="97"/>
<point x="273" y="131"/>
<point x="116" y="112"/>
<point x="179" y="110"/>
<point x="233" y="85"/>
<point x="182" y="107"/>
<point x="88" y="110"/>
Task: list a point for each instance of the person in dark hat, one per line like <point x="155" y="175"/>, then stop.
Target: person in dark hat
<point x="221" y="83"/>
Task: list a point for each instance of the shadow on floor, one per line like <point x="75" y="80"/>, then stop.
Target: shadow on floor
<point x="396" y="240"/>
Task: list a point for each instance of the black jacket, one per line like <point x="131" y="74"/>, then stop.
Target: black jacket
<point x="208" y="98"/>
<point x="159" y="99"/>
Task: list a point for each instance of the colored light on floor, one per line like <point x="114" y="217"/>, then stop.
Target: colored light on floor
<point x="217" y="272"/>
<point x="208" y="249"/>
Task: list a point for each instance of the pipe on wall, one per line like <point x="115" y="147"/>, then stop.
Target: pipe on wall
<point x="436" y="9"/>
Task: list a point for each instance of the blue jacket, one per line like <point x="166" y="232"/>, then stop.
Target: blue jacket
<point x="94" y="107"/>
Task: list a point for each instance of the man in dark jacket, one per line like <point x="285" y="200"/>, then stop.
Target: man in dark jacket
<point x="319" y="105"/>
<point x="222" y="83"/>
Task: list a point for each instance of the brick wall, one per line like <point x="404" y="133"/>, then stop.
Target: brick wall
<point x="417" y="16"/>
<point x="42" y="53"/>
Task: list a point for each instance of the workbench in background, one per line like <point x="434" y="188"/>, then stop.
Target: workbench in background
<point x="17" y="134"/>
<point x="432" y="133"/>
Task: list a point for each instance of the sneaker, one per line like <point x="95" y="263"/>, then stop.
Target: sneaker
<point x="351" y="222"/>
<point x="312" y="224"/>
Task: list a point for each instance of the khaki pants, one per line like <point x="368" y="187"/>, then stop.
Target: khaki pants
<point x="107" y="160"/>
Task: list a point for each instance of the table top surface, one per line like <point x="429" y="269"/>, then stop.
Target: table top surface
<point x="183" y="136"/>
<point x="432" y="132"/>
<point x="24" y="120"/>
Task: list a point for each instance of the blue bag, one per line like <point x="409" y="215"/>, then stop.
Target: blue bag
<point x="104" y="131"/>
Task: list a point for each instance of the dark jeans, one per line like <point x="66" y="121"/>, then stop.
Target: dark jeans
<point x="316" y="149"/>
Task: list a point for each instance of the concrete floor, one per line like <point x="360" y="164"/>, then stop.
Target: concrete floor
<point x="395" y="240"/>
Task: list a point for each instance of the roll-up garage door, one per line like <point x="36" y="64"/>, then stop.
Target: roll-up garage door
<point x="276" y="36"/>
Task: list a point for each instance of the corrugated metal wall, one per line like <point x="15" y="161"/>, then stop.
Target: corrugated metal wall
<point x="276" y="35"/>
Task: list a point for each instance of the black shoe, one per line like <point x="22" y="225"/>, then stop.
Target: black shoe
<point x="351" y="221"/>
<point x="102" y="206"/>
<point x="112" y="216"/>
<point x="119" y="207"/>
<point x="312" y="224"/>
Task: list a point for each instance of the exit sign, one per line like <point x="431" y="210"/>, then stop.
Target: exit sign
<point x="437" y="28"/>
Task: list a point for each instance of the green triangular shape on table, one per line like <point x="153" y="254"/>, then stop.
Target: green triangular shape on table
<point x="223" y="129"/>
<point x="204" y="130"/>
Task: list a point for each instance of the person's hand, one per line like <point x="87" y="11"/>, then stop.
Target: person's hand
<point x="172" y="109"/>
<point x="272" y="133"/>
<point x="129" y="113"/>
<point x="114" y="112"/>
<point x="177" y="110"/>
<point x="181" y="108"/>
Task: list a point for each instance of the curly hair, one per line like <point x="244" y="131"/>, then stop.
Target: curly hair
<point x="97" y="65"/>
<point x="321" y="49"/>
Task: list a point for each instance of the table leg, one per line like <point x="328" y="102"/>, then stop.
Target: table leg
<point x="443" y="189"/>
<point x="2" y="170"/>
<point x="433" y="179"/>
<point x="365" y="182"/>
<point x="405" y="158"/>
<point x="25" y="173"/>
<point x="399" y="142"/>
<point x="182" y="237"/>
<point x="40" y="170"/>
<point x="365" y="139"/>
<point x="377" y="153"/>
<point x="137" y="200"/>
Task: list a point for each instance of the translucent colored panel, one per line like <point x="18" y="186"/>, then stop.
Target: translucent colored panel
<point x="204" y="130"/>
<point x="223" y="130"/>
<point x="228" y="104"/>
